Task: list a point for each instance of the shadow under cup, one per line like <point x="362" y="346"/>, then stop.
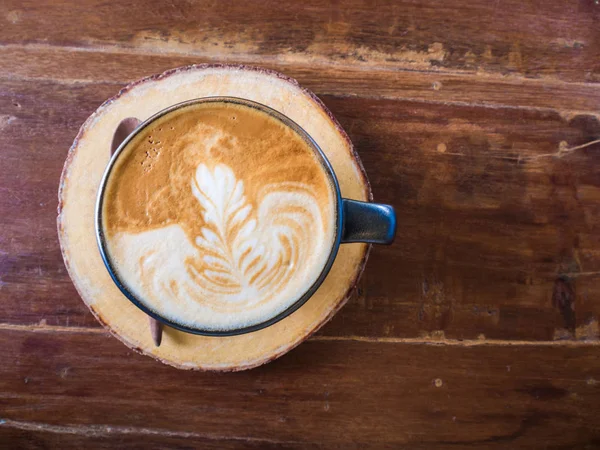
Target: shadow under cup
<point x="354" y="221"/>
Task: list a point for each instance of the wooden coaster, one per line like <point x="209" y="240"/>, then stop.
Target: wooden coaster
<point x="81" y="176"/>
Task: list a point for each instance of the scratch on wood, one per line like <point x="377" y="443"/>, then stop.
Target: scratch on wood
<point x="436" y="338"/>
<point x="563" y="150"/>
<point x="43" y="328"/>
<point x="108" y="430"/>
<point x="459" y="342"/>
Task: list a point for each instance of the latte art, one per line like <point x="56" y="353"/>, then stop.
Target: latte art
<point x="218" y="216"/>
<point x="249" y="259"/>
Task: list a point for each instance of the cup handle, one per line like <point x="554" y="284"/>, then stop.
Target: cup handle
<point x="373" y="223"/>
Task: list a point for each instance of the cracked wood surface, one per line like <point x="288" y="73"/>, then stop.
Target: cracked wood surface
<point x="478" y="328"/>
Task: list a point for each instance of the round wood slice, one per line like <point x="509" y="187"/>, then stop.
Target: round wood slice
<point x="81" y="176"/>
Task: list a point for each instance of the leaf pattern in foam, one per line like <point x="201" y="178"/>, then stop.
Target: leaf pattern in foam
<point x="225" y="208"/>
<point x="252" y="253"/>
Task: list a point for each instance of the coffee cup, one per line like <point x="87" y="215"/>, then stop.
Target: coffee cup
<point x="220" y="216"/>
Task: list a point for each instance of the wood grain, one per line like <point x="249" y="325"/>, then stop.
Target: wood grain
<point x="355" y="394"/>
<point x="491" y="215"/>
<point x="550" y="39"/>
<point x="463" y="114"/>
<point x="97" y="65"/>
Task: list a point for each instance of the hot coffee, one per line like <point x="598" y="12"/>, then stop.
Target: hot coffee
<point x="218" y="216"/>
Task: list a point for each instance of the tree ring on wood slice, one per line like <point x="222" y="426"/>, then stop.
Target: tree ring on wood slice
<point x="79" y="183"/>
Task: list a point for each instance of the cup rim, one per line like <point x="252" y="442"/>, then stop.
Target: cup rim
<point x="339" y="221"/>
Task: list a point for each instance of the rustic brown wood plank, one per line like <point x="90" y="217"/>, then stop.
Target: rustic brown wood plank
<point x="551" y="39"/>
<point x="99" y="66"/>
<point x="36" y="135"/>
<point x="324" y="392"/>
<point x="33" y="438"/>
<point x="491" y="215"/>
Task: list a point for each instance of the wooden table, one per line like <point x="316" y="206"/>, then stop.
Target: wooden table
<point x="478" y="328"/>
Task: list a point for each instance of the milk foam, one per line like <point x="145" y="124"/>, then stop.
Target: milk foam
<point x="255" y="267"/>
<point x="256" y="252"/>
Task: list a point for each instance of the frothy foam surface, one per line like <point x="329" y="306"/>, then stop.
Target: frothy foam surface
<point x="218" y="216"/>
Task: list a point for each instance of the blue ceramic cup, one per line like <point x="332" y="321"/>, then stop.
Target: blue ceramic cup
<point x="355" y="221"/>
